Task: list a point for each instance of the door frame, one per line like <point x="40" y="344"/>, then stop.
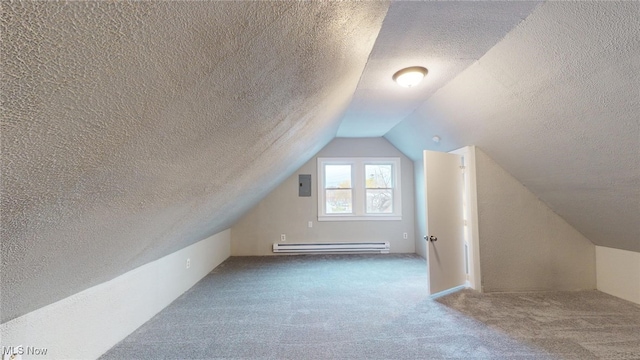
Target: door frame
<point x="471" y="234"/>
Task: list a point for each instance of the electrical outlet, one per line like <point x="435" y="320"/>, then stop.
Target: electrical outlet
<point x="283" y="237"/>
<point x="405" y="235"/>
<point x="310" y="224"/>
<point x="188" y="263"/>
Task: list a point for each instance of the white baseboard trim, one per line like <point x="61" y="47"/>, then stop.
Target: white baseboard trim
<point x="618" y="273"/>
<point x="87" y="324"/>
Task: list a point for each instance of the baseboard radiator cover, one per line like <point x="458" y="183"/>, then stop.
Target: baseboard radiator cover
<point x="381" y="247"/>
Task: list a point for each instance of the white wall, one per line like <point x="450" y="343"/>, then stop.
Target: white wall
<point x="618" y="273"/>
<point x="524" y="245"/>
<point x="87" y="324"/>
<point x="284" y="212"/>
<point x="420" y="209"/>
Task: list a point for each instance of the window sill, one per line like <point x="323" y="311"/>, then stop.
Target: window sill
<point x="360" y="218"/>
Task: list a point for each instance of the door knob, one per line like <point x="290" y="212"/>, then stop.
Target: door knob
<point x="433" y="238"/>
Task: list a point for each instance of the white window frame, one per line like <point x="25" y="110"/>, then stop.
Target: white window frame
<point x="358" y="185"/>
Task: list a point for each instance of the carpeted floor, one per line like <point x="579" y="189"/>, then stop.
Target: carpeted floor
<point x="374" y="307"/>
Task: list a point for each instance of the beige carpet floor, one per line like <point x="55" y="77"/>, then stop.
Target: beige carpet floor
<point x="374" y="307"/>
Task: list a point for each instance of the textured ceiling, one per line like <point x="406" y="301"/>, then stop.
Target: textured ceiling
<point x="445" y="37"/>
<point x="557" y="104"/>
<point x="131" y="130"/>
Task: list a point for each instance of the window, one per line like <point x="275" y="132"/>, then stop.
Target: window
<point x="379" y="188"/>
<point x="338" y="192"/>
<point x="359" y="189"/>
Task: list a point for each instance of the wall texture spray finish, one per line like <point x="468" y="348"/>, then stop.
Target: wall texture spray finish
<point x="560" y="115"/>
<point x="282" y="211"/>
<point x="132" y="130"/>
<point x="524" y="245"/>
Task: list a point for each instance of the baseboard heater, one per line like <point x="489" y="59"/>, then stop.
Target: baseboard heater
<point x="334" y="247"/>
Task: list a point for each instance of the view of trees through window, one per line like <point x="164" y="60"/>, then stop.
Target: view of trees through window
<point x="359" y="188"/>
<point x="338" y="190"/>
<point x="379" y="188"/>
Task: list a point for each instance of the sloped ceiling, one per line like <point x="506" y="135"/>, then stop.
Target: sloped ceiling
<point x="445" y="37"/>
<point x="557" y="104"/>
<point x="131" y="130"/>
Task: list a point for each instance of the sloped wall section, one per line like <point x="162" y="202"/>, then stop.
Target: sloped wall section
<point x="87" y="324"/>
<point x="524" y="245"/>
<point x="132" y="130"/>
<point x="556" y="104"/>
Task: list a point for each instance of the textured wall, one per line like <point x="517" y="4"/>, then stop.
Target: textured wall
<point x="524" y="245"/>
<point x="131" y="130"/>
<point x="283" y="212"/>
<point x="87" y="324"/>
<point x="556" y="103"/>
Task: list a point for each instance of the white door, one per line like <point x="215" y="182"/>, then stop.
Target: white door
<point x="445" y="228"/>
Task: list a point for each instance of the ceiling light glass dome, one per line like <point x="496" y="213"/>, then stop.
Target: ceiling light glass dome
<point x="411" y="76"/>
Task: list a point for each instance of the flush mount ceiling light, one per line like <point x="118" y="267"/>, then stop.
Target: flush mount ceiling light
<point x="409" y="77"/>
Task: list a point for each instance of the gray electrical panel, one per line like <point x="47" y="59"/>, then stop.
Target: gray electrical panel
<point x="304" y="180"/>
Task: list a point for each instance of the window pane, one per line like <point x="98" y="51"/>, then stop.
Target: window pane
<point x="379" y="176"/>
<point x="338" y="201"/>
<point x="379" y="201"/>
<point x="337" y="176"/>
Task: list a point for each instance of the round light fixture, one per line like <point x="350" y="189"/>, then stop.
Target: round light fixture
<point x="411" y="76"/>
